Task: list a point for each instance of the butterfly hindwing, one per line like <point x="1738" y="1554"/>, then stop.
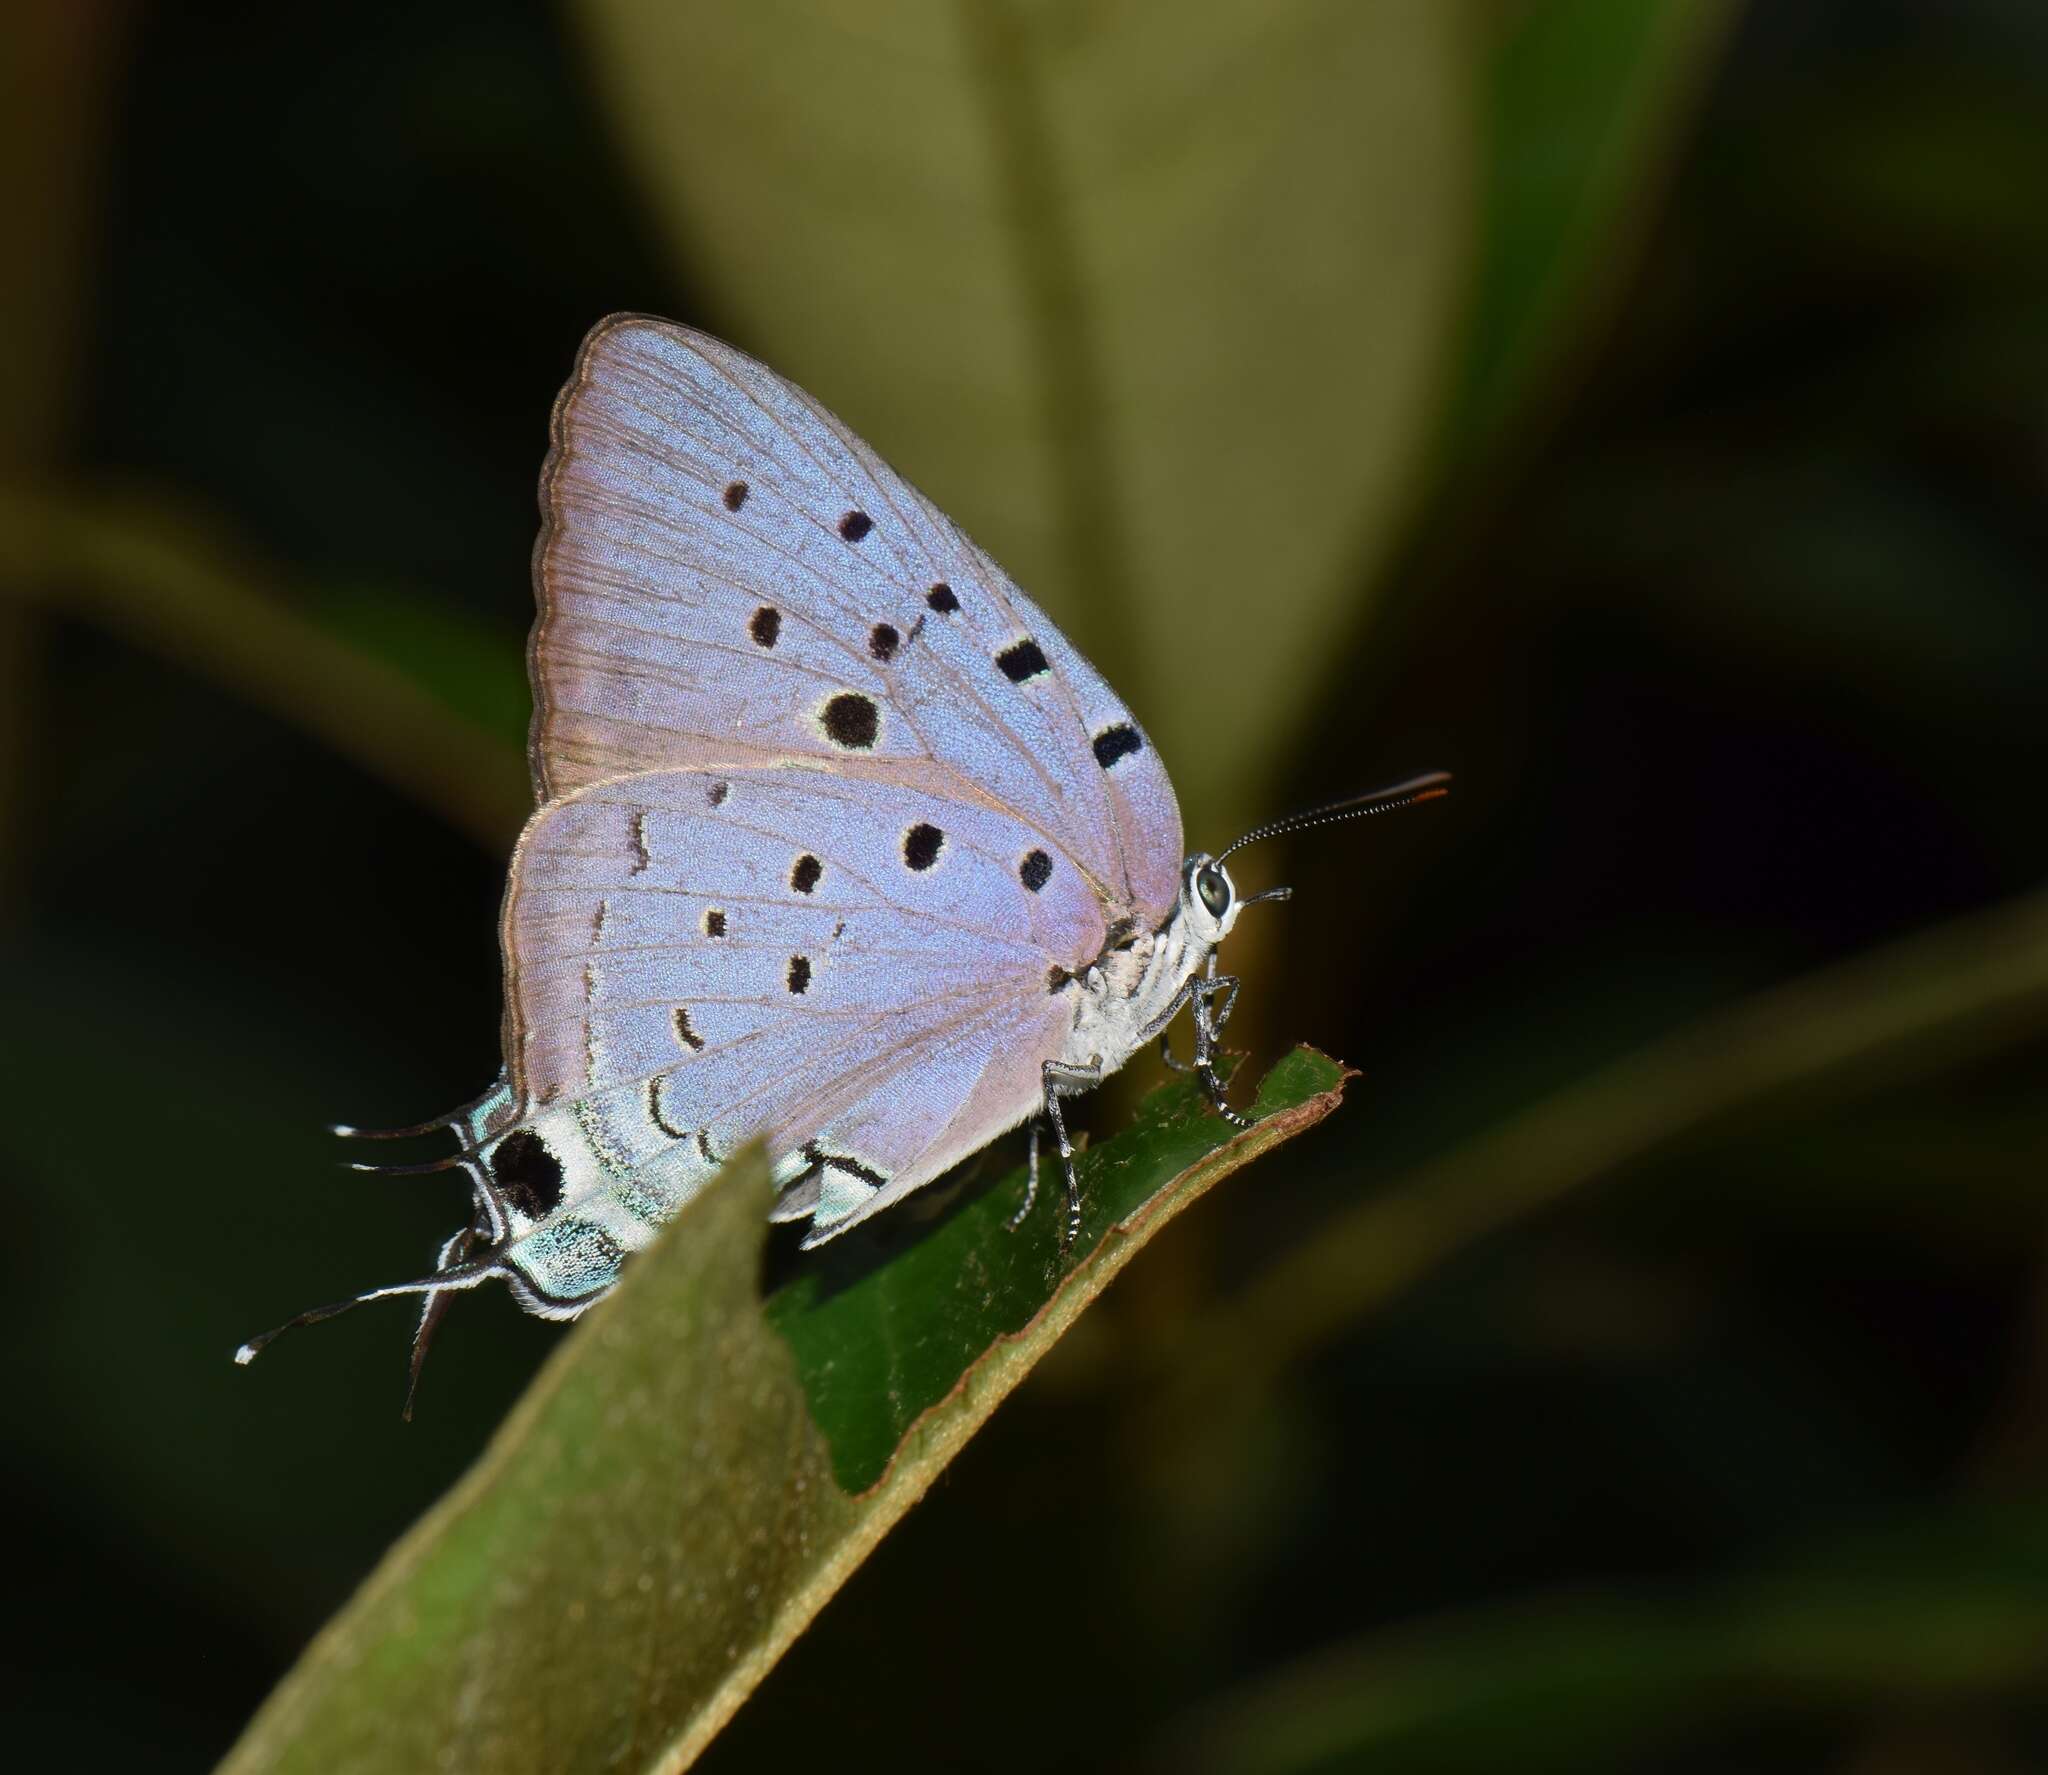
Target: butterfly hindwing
<point x="859" y="966"/>
<point x="729" y="577"/>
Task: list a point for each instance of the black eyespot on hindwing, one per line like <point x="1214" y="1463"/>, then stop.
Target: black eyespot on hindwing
<point x="855" y="525"/>
<point x="685" y="1033"/>
<point x="921" y="846"/>
<point x="714" y="922"/>
<point x="799" y="977"/>
<point x="852" y="720"/>
<point x="718" y="792"/>
<point x="803" y="875"/>
<point x="941" y="599"/>
<point x="1022" y="661"/>
<point x="1035" y="871"/>
<point x="735" y="495"/>
<point x="527" y="1174"/>
<point x="1113" y="743"/>
<point x="766" y="625"/>
<point x="883" y="640"/>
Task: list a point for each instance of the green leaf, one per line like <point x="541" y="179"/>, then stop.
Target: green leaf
<point x="669" y="1505"/>
<point x="1152" y="298"/>
<point x="1585" y="103"/>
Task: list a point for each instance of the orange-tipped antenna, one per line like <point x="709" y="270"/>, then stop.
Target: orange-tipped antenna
<point x="1427" y="787"/>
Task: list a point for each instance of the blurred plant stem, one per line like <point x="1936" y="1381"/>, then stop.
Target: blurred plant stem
<point x="1915" y="1007"/>
<point x="1937" y="1613"/>
<point x="57" y="59"/>
<point x="153" y="578"/>
<point x="1041" y="234"/>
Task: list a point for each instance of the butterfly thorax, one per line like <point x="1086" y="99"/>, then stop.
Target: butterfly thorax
<point x="1130" y="992"/>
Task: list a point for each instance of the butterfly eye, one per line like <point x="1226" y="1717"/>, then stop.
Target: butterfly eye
<point x="1214" y="887"/>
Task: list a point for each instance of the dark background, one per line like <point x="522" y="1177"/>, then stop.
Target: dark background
<point x="1728" y="1453"/>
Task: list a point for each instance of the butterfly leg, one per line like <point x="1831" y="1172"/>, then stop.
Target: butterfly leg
<point x="1061" y="1080"/>
<point x="1208" y="1022"/>
<point x="1030" y="1181"/>
<point x="1192" y="994"/>
<point x="434" y="1305"/>
<point x="1212" y="985"/>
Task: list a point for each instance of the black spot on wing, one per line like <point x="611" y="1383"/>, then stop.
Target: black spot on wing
<point x="883" y="640"/>
<point x="803" y="875"/>
<point x="654" y="1114"/>
<point x="841" y="1162"/>
<point x="765" y="626"/>
<point x="1022" y="661"/>
<point x="527" y="1173"/>
<point x="735" y="495"/>
<point x="855" y="525"/>
<point x="714" y="922"/>
<point x="717" y="793"/>
<point x="852" y="721"/>
<point x="685" y="1034"/>
<point x="799" y="976"/>
<point x="1035" y="870"/>
<point x="921" y="846"/>
<point x="941" y="599"/>
<point x="1114" y="743"/>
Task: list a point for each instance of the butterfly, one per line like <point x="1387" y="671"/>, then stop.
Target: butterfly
<point x="839" y="844"/>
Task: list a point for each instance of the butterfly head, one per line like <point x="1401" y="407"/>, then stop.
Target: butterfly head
<point x="1209" y="900"/>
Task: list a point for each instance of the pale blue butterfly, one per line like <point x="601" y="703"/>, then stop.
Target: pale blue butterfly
<point x="840" y="843"/>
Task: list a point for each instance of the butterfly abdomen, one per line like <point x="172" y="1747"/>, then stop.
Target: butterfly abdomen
<point x="570" y="1190"/>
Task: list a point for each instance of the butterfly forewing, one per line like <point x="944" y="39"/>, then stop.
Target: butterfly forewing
<point x="728" y="577"/>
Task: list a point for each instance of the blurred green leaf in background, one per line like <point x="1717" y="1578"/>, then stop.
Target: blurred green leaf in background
<point x="1153" y="298"/>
